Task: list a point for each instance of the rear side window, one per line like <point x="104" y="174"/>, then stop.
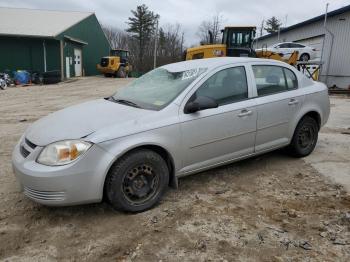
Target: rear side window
<point x="291" y="79"/>
<point x="273" y="79"/>
<point x="297" y="46"/>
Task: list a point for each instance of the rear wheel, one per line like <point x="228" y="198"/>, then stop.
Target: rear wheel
<point x="305" y="137"/>
<point x="137" y="181"/>
<point x="304" y="57"/>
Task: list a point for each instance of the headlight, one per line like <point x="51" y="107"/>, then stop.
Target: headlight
<point x="63" y="152"/>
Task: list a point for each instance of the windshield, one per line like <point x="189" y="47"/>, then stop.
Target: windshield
<point x="240" y="39"/>
<point x="157" y="89"/>
<point x="119" y="53"/>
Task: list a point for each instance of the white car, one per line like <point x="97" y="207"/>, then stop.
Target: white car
<point x="306" y="53"/>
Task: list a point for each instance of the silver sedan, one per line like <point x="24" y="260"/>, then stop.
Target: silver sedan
<point x="176" y="120"/>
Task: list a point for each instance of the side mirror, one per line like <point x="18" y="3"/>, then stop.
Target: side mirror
<point x="200" y="103"/>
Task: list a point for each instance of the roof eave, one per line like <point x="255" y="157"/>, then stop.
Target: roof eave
<point x="29" y="36"/>
<point x="309" y="21"/>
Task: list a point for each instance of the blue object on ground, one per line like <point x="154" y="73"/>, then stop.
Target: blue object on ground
<point x="21" y="77"/>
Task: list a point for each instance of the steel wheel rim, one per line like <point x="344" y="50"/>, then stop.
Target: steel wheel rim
<point x="306" y="137"/>
<point x="140" y="184"/>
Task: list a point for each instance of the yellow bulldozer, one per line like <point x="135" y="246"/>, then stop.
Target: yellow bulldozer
<point x="116" y="64"/>
<point x="237" y="41"/>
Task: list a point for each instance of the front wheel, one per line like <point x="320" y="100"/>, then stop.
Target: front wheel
<point x="121" y="72"/>
<point x="137" y="181"/>
<point x="305" y="137"/>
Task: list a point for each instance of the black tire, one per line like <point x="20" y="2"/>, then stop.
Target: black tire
<point x="107" y="75"/>
<point x="304" y="57"/>
<point x="305" y="137"/>
<point x="3" y="85"/>
<point x="121" y="72"/>
<point x="137" y="181"/>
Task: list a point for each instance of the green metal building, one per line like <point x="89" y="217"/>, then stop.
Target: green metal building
<point x="41" y="40"/>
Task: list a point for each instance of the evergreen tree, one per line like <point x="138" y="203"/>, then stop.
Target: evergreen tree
<point x="142" y="27"/>
<point x="272" y="25"/>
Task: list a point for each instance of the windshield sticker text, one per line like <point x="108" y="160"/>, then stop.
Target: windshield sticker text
<point x="190" y="73"/>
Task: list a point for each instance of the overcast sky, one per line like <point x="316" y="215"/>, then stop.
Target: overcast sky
<point x="190" y="13"/>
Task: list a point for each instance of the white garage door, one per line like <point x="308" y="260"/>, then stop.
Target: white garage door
<point x="315" y="42"/>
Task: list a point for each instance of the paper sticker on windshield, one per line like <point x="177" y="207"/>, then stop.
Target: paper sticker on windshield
<point x="190" y="73"/>
<point x="158" y="103"/>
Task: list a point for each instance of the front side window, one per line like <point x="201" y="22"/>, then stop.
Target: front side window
<point x="226" y="86"/>
<point x="273" y="79"/>
<point x="156" y="89"/>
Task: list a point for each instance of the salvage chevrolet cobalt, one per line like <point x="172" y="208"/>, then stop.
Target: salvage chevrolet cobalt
<point x="176" y="120"/>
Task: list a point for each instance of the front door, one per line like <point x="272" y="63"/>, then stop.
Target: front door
<point x="278" y="103"/>
<point x="77" y="62"/>
<point x="218" y="135"/>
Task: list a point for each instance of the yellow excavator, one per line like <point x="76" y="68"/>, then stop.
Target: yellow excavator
<point x="116" y="64"/>
<point x="237" y="41"/>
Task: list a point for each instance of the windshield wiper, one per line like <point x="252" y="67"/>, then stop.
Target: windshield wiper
<point x="125" y="102"/>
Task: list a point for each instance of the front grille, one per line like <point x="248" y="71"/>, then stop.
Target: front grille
<point x="24" y="152"/>
<point x="30" y="144"/>
<point x="44" y="195"/>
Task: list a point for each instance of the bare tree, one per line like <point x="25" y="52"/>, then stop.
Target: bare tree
<point x="214" y="26"/>
<point x="170" y="44"/>
<point x="116" y="37"/>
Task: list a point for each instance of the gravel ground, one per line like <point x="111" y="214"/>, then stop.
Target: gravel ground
<point x="269" y="208"/>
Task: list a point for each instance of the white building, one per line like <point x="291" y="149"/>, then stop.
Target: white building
<point x="331" y="41"/>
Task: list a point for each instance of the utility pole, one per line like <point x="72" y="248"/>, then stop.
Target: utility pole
<point x="262" y="27"/>
<point x="285" y="25"/>
<point x="155" y="47"/>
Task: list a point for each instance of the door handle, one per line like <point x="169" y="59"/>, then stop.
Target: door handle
<point x="293" y="102"/>
<point x="245" y="112"/>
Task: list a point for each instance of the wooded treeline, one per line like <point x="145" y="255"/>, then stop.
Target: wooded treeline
<point x="140" y="36"/>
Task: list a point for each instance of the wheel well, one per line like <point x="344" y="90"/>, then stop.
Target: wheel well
<point x="316" y="116"/>
<point x="167" y="158"/>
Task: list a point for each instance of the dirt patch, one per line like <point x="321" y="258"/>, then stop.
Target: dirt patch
<point x="269" y="208"/>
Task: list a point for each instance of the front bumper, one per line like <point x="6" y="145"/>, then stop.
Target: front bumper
<point x="79" y="182"/>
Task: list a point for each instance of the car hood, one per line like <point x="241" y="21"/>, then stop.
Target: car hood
<point x="81" y="120"/>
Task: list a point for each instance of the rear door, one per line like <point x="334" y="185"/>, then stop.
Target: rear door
<point x="297" y="47"/>
<point x="220" y="134"/>
<point x="278" y="102"/>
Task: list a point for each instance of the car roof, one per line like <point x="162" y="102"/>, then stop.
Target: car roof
<point x="211" y="63"/>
